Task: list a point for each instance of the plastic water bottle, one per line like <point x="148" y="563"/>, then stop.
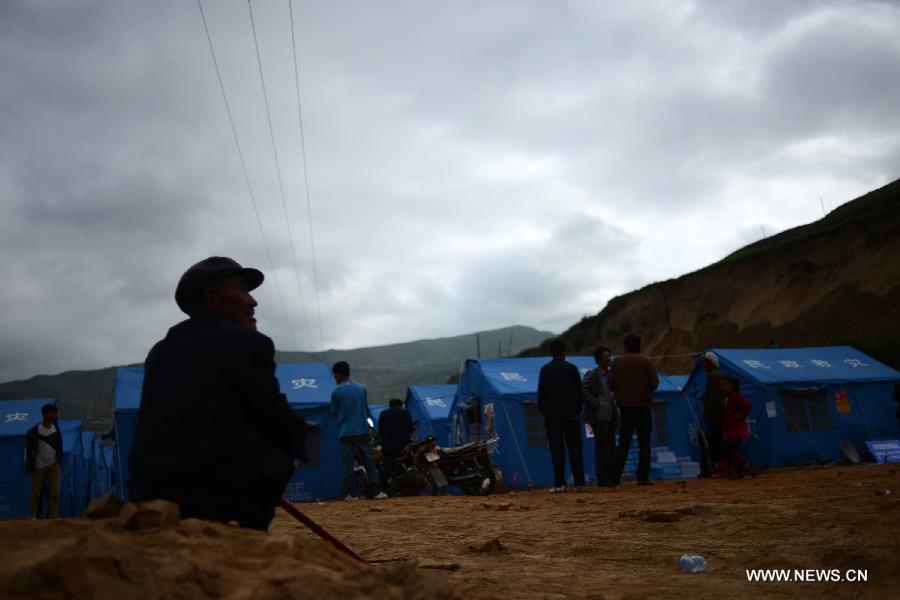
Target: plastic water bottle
<point x="693" y="563"/>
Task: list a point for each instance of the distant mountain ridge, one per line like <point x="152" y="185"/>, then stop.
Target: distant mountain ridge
<point x="386" y="371"/>
<point x="831" y="282"/>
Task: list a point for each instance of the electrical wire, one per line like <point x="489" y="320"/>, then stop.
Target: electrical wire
<point x="240" y="153"/>
<point x="287" y="220"/>
<point x="312" y="240"/>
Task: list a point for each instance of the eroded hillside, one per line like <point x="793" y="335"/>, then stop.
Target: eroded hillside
<point x="835" y="281"/>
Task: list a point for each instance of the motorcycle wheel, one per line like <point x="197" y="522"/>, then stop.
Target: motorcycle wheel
<point x="479" y="487"/>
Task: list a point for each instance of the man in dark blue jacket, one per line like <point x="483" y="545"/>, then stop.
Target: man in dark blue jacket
<point x="395" y="425"/>
<point x="214" y="433"/>
<point x="560" y="401"/>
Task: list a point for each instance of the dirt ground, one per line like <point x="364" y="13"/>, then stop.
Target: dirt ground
<point x="600" y="543"/>
<point x="620" y="543"/>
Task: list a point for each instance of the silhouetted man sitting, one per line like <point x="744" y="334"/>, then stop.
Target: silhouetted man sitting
<point x="214" y="433"/>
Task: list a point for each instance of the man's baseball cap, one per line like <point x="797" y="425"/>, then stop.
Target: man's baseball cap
<point x="206" y="273"/>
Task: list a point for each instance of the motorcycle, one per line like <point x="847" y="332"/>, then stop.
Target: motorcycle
<point x="470" y="468"/>
<point x="422" y="464"/>
<point x="415" y="469"/>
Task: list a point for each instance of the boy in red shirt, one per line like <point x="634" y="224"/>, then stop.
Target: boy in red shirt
<point x="734" y="425"/>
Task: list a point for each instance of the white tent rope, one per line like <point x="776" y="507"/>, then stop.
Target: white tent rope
<point x="516" y="440"/>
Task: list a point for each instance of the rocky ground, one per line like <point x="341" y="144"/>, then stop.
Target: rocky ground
<point x="621" y="543"/>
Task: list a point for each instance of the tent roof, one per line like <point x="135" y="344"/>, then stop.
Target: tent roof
<point x="306" y="385"/>
<point x="519" y="376"/>
<point x="678" y="381"/>
<point x="70" y="431"/>
<point x="435" y="399"/>
<point x="127" y="393"/>
<point x="828" y="364"/>
<point x="376" y="410"/>
<point x="18" y="416"/>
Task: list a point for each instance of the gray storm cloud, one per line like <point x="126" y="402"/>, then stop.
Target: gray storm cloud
<point x="471" y="164"/>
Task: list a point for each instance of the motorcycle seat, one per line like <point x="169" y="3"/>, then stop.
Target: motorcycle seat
<point x="458" y="449"/>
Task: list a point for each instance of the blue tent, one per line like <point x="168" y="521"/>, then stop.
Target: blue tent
<point x="678" y="381"/>
<point x="109" y="464"/>
<point x="375" y="410"/>
<point x="500" y="396"/>
<point x="16" y="418"/>
<point x="429" y="406"/>
<point x="307" y="387"/>
<point x="126" y="402"/>
<point x="70" y="503"/>
<point x="85" y="468"/>
<point x="670" y="420"/>
<point x="805" y="400"/>
<point x="100" y="482"/>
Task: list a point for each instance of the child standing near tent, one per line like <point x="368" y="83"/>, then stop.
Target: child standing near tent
<point x="735" y="409"/>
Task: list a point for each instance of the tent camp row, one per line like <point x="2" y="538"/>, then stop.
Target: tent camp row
<point x="805" y="401"/>
<point x="86" y="470"/>
<point x="308" y="388"/>
<point x="499" y="396"/>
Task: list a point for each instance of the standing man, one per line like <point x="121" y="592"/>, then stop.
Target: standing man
<point x="600" y="413"/>
<point x="350" y="404"/>
<point x="43" y="456"/>
<point x="395" y="425"/>
<point x="633" y="380"/>
<point x="713" y="399"/>
<point x="214" y="432"/>
<point x="560" y="401"/>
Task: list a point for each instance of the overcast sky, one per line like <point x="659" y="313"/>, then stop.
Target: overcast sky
<point x="471" y="164"/>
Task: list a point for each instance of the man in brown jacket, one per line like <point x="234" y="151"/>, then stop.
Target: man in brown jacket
<point x="633" y="381"/>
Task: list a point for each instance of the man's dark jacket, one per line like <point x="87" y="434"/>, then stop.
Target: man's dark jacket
<point x="559" y="390"/>
<point x="31" y="442"/>
<point x="395" y="426"/>
<point x="214" y="433"/>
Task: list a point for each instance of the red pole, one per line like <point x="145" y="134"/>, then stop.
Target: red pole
<point x="318" y="530"/>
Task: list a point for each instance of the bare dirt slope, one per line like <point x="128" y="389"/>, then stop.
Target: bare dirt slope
<point x="835" y="281"/>
<point x="621" y="543"/>
<point x="600" y="544"/>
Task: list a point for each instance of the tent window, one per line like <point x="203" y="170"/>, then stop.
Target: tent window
<point x="806" y="410"/>
<point x="473" y="418"/>
<point x="659" y="423"/>
<point x="535" y="433"/>
<point x="313" y="448"/>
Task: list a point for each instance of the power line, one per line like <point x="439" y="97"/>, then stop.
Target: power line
<point x="312" y="242"/>
<point x="287" y="220"/>
<point x="240" y="153"/>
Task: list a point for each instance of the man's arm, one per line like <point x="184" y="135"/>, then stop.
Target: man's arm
<point x="265" y="407"/>
<point x="586" y="386"/>
<point x="653" y="380"/>
<point x="542" y="390"/>
<point x="29" y="450"/>
<point x="576" y="390"/>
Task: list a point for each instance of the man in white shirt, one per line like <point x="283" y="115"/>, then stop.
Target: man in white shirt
<point x="43" y="455"/>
